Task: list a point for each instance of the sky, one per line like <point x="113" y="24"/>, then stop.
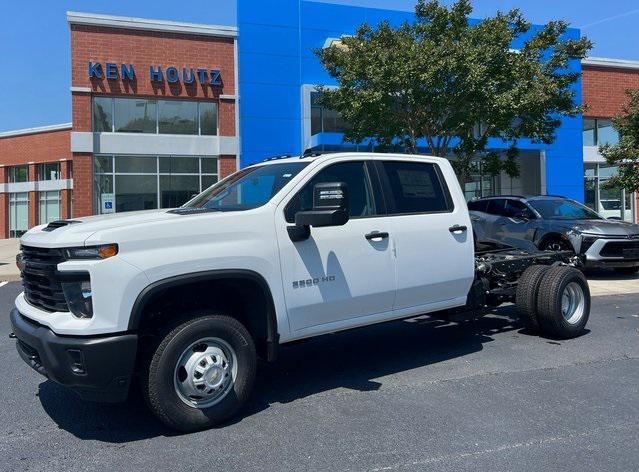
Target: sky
<point x="35" y="56"/>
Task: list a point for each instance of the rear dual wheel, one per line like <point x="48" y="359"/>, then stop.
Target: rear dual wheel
<point x="554" y="300"/>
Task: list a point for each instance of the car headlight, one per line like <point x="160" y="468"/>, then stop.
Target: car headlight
<point x="79" y="297"/>
<point x="103" y="251"/>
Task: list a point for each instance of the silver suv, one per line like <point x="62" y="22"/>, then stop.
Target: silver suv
<point x="556" y="223"/>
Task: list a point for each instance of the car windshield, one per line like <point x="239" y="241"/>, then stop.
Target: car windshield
<point x="558" y="209"/>
<point x="248" y="188"/>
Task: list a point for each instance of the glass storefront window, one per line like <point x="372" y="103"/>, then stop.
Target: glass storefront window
<point x="103" y="114"/>
<point x="18" y="214"/>
<point x="179" y="165"/>
<point x="598" y="131"/>
<point x="136" y="164"/>
<point x="589" y="132"/>
<point x="612" y="203"/>
<point x="139" y="115"/>
<point x="208" y="118"/>
<point x="19" y="174"/>
<point x="50" y="171"/>
<point x="136" y="192"/>
<point x="49" y="207"/>
<point x="103" y="193"/>
<point x="209" y="165"/>
<point x="177" y="117"/>
<point x="126" y="183"/>
<point x="606" y="134"/>
<point x="325" y="120"/>
<point x="135" y="116"/>
<point x="178" y="189"/>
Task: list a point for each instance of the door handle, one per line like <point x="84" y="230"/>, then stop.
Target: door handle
<point x="457" y="228"/>
<point x="376" y="235"/>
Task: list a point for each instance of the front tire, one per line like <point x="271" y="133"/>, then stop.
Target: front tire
<point x="563" y="302"/>
<point x="200" y="373"/>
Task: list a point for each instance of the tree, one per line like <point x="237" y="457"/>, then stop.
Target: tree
<point x="454" y="83"/>
<point x="625" y="154"/>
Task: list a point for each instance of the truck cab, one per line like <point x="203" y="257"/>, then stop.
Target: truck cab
<point x="184" y="300"/>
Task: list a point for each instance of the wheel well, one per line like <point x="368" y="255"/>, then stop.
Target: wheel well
<point x="243" y="295"/>
<point x="551" y="236"/>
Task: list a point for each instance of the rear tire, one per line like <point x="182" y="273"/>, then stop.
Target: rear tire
<point x="627" y="270"/>
<point x="526" y="297"/>
<point x="563" y="302"/>
<point x="201" y="372"/>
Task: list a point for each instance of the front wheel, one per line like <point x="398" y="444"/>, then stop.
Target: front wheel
<point x="201" y="373"/>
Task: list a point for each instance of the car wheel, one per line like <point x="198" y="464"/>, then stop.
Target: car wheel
<point x="201" y="372"/>
<point x="526" y="297"/>
<point x="563" y="302"/>
<point x="556" y="244"/>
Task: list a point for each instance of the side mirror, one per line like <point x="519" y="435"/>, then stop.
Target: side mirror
<point x="330" y="208"/>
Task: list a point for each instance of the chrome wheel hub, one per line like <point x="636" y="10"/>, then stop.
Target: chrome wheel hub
<point x="205" y="372"/>
<point x="573" y="303"/>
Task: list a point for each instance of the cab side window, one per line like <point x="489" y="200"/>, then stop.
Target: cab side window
<point x="416" y="187"/>
<point x="514" y="208"/>
<point x="477" y="205"/>
<point x="496" y="206"/>
<point x="360" y="193"/>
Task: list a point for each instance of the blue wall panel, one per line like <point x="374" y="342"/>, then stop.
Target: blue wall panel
<point x="276" y="42"/>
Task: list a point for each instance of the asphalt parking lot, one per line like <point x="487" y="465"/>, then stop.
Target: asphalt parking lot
<point x="422" y="394"/>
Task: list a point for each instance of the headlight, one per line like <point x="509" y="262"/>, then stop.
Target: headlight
<point x="79" y="298"/>
<point x="92" y="252"/>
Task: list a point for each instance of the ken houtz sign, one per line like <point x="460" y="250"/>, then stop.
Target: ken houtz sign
<point x="173" y="75"/>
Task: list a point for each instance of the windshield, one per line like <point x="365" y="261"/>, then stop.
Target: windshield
<point x="248" y="188"/>
<point x="557" y="209"/>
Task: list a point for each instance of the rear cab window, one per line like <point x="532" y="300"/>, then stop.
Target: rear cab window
<point x="415" y="187"/>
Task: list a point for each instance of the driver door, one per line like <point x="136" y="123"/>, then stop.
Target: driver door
<point x="337" y="275"/>
<point x="512" y="228"/>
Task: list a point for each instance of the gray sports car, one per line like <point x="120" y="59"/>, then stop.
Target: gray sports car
<point x="556" y="223"/>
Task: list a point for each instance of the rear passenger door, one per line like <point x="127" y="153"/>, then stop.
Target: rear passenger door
<point x="434" y="262"/>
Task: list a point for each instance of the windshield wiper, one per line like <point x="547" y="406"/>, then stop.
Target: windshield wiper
<point x="192" y="210"/>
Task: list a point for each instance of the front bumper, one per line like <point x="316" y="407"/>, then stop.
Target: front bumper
<point x="596" y="255"/>
<point x="98" y="368"/>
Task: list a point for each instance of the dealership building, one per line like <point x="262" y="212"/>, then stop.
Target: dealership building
<point x="161" y="110"/>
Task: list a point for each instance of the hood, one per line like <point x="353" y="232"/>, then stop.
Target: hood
<point x="79" y="229"/>
<point x="604" y="227"/>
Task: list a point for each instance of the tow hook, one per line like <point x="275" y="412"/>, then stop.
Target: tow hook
<point x="12" y="335"/>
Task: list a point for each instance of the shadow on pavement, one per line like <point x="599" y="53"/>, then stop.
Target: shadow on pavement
<point x="351" y="360"/>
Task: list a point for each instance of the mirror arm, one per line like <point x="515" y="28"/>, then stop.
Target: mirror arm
<point x="298" y="233"/>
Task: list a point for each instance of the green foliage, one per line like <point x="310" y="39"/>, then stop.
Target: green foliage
<point x="625" y="154"/>
<point x="441" y="76"/>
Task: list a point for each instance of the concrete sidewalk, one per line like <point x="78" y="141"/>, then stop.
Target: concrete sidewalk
<point x="8" y="250"/>
<point x="602" y="282"/>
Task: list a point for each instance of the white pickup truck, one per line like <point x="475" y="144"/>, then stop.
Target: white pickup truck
<point x="183" y="301"/>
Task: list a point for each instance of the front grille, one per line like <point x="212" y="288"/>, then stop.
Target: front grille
<point x="41" y="286"/>
<point x="616" y="248"/>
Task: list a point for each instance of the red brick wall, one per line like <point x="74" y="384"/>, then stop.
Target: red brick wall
<point x="4" y="206"/>
<point x="604" y="89"/>
<point x="228" y="165"/>
<point x="82" y="184"/>
<point x="143" y="49"/>
<point x="604" y="93"/>
<point x="39" y="147"/>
